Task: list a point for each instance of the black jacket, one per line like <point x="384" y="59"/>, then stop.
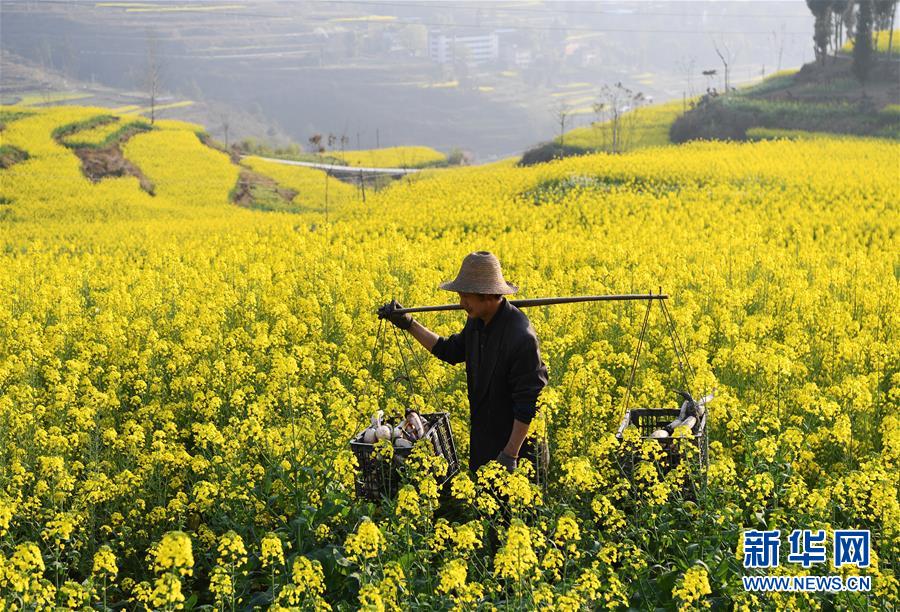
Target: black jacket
<point x="504" y="375"/>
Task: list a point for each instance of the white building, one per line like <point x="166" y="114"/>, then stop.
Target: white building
<point x="480" y="49"/>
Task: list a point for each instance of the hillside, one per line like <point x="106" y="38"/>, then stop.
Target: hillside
<point x="73" y="161"/>
<point x="27" y="83"/>
<point x="304" y="68"/>
<point x="180" y="374"/>
<point x="816" y="98"/>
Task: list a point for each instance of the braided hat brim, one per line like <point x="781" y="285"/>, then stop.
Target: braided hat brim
<point x="480" y="273"/>
<point x="473" y="286"/>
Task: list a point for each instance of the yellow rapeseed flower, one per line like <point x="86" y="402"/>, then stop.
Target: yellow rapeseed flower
<point x="308" y="576"/>
<point x="408" y="506"/>
<point x="366" y="543"/>
<point x="105" y="563"/>
<point x="462" y="487"/>
<point x="174" y="554"/>
<point x="516" y="559"/>
<point x="271" y="551"/>
<point x="453" y="576"/>
<point x="690" y="589"/>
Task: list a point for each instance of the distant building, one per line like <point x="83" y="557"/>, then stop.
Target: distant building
<point x="522" y="58"/>
<point x="475" y="49"/>
<point x="517" y="49"/>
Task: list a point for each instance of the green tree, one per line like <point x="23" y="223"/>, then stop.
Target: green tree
<point x="863" y="54"/>
<point x="839" y="12"/>
<point x="885" y="10"/>
<point x="821" y="10"/>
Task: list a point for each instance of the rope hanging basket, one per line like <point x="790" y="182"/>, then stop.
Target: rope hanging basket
<point x="379" y="477"/>
<point x="690" y="442"/>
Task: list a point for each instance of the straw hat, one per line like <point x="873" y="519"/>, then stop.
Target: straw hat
<point x="480" y="273"/>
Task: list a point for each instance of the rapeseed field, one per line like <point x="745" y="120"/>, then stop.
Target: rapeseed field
<point x="180" y="377"/>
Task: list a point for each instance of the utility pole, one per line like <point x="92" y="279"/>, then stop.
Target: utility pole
<point x="362" y="182"/>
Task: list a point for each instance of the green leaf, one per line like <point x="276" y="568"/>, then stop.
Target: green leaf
<point x="190" y="602"/>
<point x="341" y="559"/>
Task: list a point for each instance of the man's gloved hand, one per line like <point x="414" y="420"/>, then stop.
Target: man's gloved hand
<point x="507" y="461"/>
<point x="403" y="321"/>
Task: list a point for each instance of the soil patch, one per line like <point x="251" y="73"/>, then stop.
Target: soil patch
<point x="10" y="155"/>
<point x="99" y="163"/>
<point x="254" y="190"/>
<point x="8" y="116"/>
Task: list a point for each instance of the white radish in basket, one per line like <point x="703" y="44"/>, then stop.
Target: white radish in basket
<point x="413" y="425"/>
<point x="671" y="426"/>
<point x="376" y="419"/>
<point x="373" y="433"/>
<point x="402" y="443"/>
<point x="660" y="433"/>
<point x="383" y="432"/>
<point x="689" y="422"/>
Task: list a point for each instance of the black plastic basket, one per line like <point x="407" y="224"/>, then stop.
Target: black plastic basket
<point x="648" y="420"/>
<point x="377" y="477"/>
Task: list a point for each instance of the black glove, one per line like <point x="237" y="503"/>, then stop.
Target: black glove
<point x="403" y="321"/>
<point x="507" y="461"/>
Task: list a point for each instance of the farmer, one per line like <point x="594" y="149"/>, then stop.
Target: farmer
<point x="504" y="370"/>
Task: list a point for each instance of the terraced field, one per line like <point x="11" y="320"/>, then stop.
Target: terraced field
<point x="180" y="377"/>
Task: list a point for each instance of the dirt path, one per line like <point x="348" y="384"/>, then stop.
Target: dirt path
<point x="252" y="187"/>
<point x="100" y="162"/>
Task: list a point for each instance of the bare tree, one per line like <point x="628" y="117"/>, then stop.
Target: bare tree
<point x="600" y="127"/>
<point x="561" y="112"/>
<point x="709" y="74"/>
<point x="727" y="56"/>
<point x="890" y="48"/>
<point x="153" y="74"/>
<point x="884" y="19"/>
<point x="316" y="141"/>
<point x="778" y="45"/>
<point x="70" y="59"/>
<point x="687" y="65"/>
<point x="838" y="16"/>
<point x="618" y="103"/>
<point x="226" y="124"/>
<point x="848" y="22"/>
<point x="45" y="57"/>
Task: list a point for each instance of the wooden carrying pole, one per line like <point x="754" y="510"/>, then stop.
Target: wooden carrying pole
<point x="548" y="301"/>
